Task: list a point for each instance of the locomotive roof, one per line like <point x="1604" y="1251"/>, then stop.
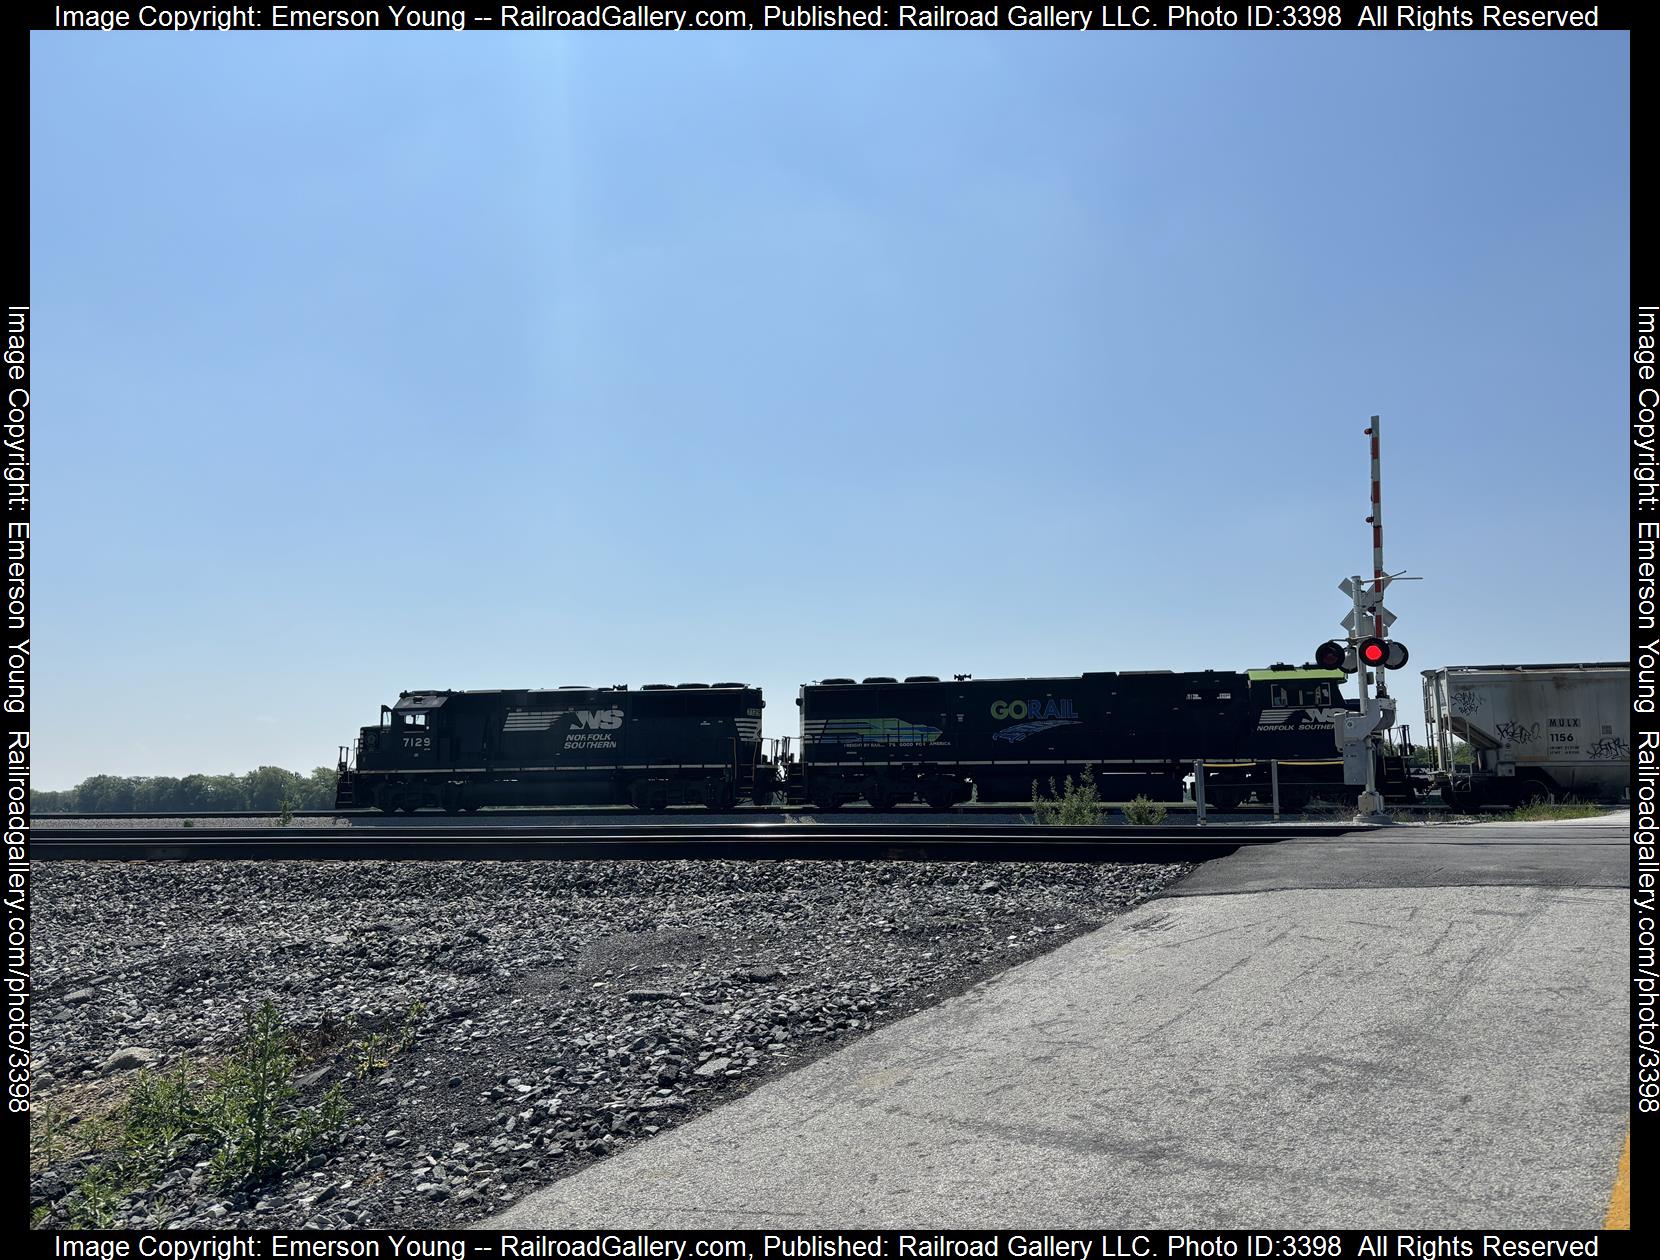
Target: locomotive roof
<point x="1045" y="678"/>
<point x="428" y="700"/>
<point x="420" y="700"/>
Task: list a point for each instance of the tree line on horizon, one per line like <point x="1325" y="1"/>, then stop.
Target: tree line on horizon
<point x="267" y="788"/>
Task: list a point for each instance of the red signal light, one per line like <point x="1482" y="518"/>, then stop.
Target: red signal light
<point x="1373" y="651"/>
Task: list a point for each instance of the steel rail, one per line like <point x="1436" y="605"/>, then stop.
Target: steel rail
<point x="932" y="842"/>
<point x="605" y="811"/>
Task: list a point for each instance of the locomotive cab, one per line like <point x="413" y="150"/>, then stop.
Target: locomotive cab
<point x="411" y="735"/>
<point x="416" y="730"/>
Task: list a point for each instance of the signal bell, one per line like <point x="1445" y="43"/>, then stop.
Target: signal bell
<point x="1334" y="655"/>
<point x="1383" y="652"/>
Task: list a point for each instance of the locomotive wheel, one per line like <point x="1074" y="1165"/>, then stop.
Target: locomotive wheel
<point x="940" y="796"/>
<point x="880" y="797"/>
<point x="722" y="800"/>
<point x="409" y="807"/>
<point x="650" y="798"/>
<point x="829" y="804"/>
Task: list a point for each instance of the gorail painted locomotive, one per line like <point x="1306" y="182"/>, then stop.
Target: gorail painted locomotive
<point x="457" y="750"/>
<point x="883" y="741"/>
<point x="886" y="741"/>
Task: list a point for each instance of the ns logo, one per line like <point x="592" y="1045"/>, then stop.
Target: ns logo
<point x="599" y="719"/>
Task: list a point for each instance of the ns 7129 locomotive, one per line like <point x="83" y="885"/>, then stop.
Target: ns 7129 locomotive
<point x="882" y="740"/>
<point x="659" y="746"/>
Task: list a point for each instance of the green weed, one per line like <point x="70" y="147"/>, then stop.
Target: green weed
<point x="1077" y="803"/>
<point x="1142" y="812"/>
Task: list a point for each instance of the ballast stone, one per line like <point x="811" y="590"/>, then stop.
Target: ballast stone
<point x="131" y="1057"/>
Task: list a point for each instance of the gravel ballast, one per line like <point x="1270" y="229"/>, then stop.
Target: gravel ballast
<point x="531" y="1017"/>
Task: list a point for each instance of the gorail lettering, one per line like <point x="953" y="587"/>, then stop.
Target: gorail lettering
<point x="1021" y="710"/>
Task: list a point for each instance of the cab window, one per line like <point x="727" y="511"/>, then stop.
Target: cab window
<point x="414" y="719"/>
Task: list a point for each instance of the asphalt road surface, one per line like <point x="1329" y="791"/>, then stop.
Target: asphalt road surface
<point x="1421" y="1027"/>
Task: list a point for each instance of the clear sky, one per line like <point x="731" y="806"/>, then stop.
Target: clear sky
<point x="373" y="362"/>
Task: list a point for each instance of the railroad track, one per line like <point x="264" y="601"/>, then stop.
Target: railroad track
<point x="931" y="841"/>
<point x="1178" y="809"/>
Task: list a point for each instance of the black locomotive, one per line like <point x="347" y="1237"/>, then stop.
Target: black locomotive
<point x="882" y="740"/>
<point x="888" y="741"/>
<point x="694" y="744"/>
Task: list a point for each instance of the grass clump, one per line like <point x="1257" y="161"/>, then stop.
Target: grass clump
<point x="243" y="1115"/>
<point x="250" y="1111"/>
<point x="1545" y="811"/>
<point x="1319" y="808"/>
<point x="1142" y="812"/>
<point x="1077" y="803"/>
<point x="374" y="1053"/>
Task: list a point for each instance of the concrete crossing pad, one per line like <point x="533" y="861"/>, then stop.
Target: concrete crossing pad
<point x="1368" y="1055"/>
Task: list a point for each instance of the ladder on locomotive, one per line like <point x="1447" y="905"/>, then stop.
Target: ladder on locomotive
<point x="345" y="782"/>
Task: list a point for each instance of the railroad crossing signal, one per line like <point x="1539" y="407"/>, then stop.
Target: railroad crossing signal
<point x="1367" y="619"/>
<point x="1334" y="655"/>
<point x="1383" y="653"/>
<point x="1370" y="604"/>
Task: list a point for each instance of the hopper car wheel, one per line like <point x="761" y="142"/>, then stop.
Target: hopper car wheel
<point x="881" y="798"/>
<point x="828" y="804"/>
<point x="1460" y="800"/>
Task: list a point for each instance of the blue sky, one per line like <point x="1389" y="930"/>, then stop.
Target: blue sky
<point x="376" y="362"/>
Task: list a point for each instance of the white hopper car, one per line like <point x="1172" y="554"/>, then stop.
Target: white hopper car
<point x="1535" y="732"/>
